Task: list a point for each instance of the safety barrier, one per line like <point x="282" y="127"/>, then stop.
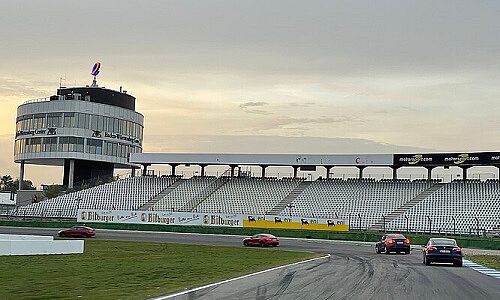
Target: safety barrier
<point x="36" y="245"/>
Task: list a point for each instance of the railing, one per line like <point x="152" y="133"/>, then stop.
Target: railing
<point x="46" y="99"/>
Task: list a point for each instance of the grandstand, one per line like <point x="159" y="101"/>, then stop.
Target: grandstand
<point x="465" y="207"/>
<point x="458" y="207"/>
<point x="362" y="201"/>
<point x="248" y="195"/>
<point x="126" y="194"/>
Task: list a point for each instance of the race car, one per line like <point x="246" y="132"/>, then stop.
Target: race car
<point x="80" y="231"/>
<point x="393" y="243"/>
<point x="262" y="240"/>
<point x="442" y="250"/>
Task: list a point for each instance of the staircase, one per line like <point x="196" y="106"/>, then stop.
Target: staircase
<point x="289" y="198"/>
<point x="379" y="225"/>
<point x="162" y="194"/>
<point x="215" y="185"/>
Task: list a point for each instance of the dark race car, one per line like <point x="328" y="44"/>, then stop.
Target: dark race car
<point x="442" y="250"/>
<point x="261" y="240"/>
<point x="79" y="231"/>
<point x="393" y="243"/>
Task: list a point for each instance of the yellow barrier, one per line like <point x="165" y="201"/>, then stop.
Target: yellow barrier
<point x="294" y="225"/>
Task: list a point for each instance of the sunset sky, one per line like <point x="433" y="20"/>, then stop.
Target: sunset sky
<point x="227" y="76"/>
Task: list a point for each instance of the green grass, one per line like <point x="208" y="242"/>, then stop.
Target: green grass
<point x="491" y="261"/>
<point x="131" y="270"/>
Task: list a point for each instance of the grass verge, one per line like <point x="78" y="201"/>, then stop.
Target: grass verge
<point x="490" y="261"/>
<point x="131" y="270"/>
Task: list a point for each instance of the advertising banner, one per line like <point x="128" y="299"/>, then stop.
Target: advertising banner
<point x="283" y="222"/>
<point x="447" y="159"/>
<point x="208" y="219"/>
<point x="158" y="218"/>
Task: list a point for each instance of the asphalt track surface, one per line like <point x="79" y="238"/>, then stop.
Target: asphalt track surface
<point x="353" y="271"/>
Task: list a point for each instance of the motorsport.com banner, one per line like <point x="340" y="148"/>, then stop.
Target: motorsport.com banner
<point x="447" y="159"/>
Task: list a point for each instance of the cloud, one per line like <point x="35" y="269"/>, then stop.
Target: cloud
<point x="303" y="104"/>
<point x="22" y="88"/>
<point x="258" y="112"/>
<point x="253" y="104"/>
<point x="299" y="123"/>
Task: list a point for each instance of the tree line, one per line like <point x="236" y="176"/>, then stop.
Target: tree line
<point x="8" y="184"/>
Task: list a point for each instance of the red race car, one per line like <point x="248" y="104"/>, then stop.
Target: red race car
<point x="262" y="240"/>
<point x="81" y="231"/>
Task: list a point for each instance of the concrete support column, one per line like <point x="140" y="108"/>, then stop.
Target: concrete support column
<point x="263" y="174"/>
<point x="71" y="175"/>
<point x="361" y="168"/>
<point x="174" y="166"/>
<point x="328" y="169"/>
<point x="21" y="175"/>
<point x="232" y="169"/>
<point x="464" y="172"/>
<point x="429" y="173"/>
<point x="295" y="169"/>
<point x="203" y="170"/>
<point x="145" y="169"/>
<point x="394" y="173"/>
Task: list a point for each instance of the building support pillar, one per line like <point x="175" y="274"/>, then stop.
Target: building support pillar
<point x="429" y="173"/>
<point x="232" y="169"/>
<point x="394" y="173"/>
<point x="21" y="175"/>
<point x="174" y="166"/>
<point x="328" y="169"/>
<point x="145" y="170"/>
<point x="295" y="169"/>
<point x="202" y="170"/>
<point x="263" y="173"/>
<point x="132" y="172"/>
<point x="464" y="172"/>
<point x="361" y="168"/>
<point x="71" y="175"/>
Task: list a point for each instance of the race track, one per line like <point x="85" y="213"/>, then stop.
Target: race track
<point x="353" y="271"/>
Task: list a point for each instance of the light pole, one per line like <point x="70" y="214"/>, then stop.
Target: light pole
<point x="290" y="206"/>
<point x="407" y="224"/>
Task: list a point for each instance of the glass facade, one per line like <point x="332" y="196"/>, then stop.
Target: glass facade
<point x="79" y="120"/>
<point x="74" y="144"/>
<point x="54" y="120"/>
<point x="35" y="137"/>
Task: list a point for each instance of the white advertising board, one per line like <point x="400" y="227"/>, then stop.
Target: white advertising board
<point x="158" y="218"/>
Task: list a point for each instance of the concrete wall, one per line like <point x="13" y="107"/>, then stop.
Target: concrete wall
<point x="7" y="198"/>
<point x="36" y="245"/>
<point x="25" y="197"/>
<point x="18" y="237"/>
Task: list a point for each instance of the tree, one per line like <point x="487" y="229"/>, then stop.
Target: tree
<point x="52" y="191"/>
<point x="6" y="182"/>
<point x="27" y="185"/>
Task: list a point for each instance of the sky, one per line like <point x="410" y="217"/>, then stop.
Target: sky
<point x="230" y="76"/>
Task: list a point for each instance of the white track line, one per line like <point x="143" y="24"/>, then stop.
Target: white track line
<point x="482" y="269"/>
<point x="237" y="278"/>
